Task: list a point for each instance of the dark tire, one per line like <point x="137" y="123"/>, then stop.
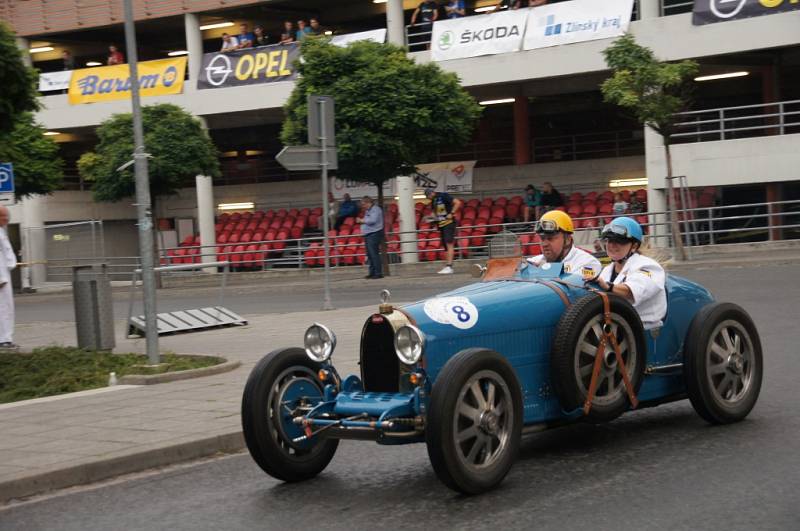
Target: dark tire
<point x="474" y="421"/>
<point x="723" y="363"/>
<point x="572" y="356"/>
<point x="266" y="432"/>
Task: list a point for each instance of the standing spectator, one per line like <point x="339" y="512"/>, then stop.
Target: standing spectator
<point x="331" y="211"/>
<point x="533" y="203"/>
<point x="69" y="61"/>
<point x="454" y="9"/>
<point x="316" y="28"/>
<point x="620" y="206"/>
<point x="636" y="206"/>
<point x="536" y="3"/>
<point x="550" y="199"/>
<point x="245" y="38"/>
<point x="8" y="261"/>
<point x="229" y="43"/>
<point x="347" y="209"/>
<point x="115" y="57"/>
<point x="444" y="209"/>
<point x="259" y="37"/>
<point x="372" y="229"/>
<point x="302" y="30"/>
<point x="287" y="36"/>
<point x="427" y="11"/>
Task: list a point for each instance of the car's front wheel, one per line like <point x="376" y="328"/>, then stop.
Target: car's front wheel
<point x="474" y="421"/>
<point x="281" y="386"/>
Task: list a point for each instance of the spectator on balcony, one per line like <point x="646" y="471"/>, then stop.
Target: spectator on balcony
<point x="620" y="206"/>
<point x="259" y="37"/>
<point x="287" y="36"/>
<point x="372" y="229"/>
<point x="533" y="203"/>
<point x="550" y="199"/>
<point x="316" y="27"/>
<point x="115" y="57"/>
<point x="347" y="209"/>
<point x="427" y="12"/>
<point x="302" y="31"/>
<point x="68" y="60"/>
<point x="636" y="206"/>
<point x="454" y="9"/>
<point x="245" y="37"/>
<point x="229" y="43"/>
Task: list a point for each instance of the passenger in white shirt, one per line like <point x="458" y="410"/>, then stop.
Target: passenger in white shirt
<point x="555" y="228"/>
<point x="637" y="278"/>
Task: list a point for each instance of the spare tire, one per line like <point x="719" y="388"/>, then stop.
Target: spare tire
<point x="574" y="347"/>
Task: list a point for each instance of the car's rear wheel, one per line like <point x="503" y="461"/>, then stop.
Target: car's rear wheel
<point x="474" y="421"/>
<point x="283" y="384"/>
<point x="723" y="363"/>
<point x="575" y="346"/>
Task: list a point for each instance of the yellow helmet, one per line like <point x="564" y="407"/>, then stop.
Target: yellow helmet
<point x="555" y="221"/>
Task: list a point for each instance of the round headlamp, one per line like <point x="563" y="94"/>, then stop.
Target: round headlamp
<point x="409" y="344"/>
<point x="319" y="342"/>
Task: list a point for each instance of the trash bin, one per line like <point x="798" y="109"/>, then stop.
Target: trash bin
<point x="94" y="310"/>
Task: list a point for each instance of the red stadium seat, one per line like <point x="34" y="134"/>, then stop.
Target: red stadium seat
<point x="487" y="202"/>
<point x="501" y="201"/>
<point x="517" y="200"/>
<point x="473" y="203"/>
<point x="576" y="197"/>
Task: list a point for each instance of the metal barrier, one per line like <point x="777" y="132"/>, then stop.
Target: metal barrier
<point x="675" y="7"/>
<point x="765" y="119"/>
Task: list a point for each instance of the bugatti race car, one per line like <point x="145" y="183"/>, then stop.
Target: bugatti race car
<point x="471" y="371"/>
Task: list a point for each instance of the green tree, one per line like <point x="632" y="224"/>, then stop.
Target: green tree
<point x="654" y="92"/>
<point x="18" y="94"/>
<point x="391" y="113"/>
<point x="38" y="168"/>
<point x="179" y="147"/>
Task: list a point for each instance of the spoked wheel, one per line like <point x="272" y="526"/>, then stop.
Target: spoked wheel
<point x="475" y="421"/>
<point x="723" y="363"/>
<point x="575" y="349"/>
<point x="283" y="385"/>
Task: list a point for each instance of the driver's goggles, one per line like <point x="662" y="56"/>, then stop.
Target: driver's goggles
<point x="615" y="232"/>
<point x="545" y="227"/>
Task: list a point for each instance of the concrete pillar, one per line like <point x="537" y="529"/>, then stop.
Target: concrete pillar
<point x="522" y="131"/>
<point x="649" y="9"/>
<point x="408" y="220"/>
<point x="657" y="202"/>
<point x="194" y="45"/>
<point x="34" y="241"/>
<point x="205" y="219"/>
<point x="395" y="22"/>
<point x="24" y="45"/>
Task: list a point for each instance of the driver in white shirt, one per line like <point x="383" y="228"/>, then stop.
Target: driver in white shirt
<point x="555" y="228"/>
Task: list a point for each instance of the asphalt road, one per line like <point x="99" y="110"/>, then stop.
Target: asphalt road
<point x="662" y="468"/>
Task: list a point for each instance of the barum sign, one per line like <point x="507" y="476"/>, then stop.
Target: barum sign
<point x="576" y="21"/>
<point x="478" y="35"/>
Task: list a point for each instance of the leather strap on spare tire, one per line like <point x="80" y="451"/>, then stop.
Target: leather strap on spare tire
<point x="607" y="339"/>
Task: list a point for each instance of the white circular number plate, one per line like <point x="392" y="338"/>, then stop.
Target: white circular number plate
<point x="456" y="311"/>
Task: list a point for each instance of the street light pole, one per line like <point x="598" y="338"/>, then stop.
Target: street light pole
<point x="143" y="205"/>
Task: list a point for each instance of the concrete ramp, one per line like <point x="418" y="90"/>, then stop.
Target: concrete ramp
<point x="187" y="321"/>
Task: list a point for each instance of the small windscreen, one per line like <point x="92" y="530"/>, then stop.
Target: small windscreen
<point x="505" y="245"/>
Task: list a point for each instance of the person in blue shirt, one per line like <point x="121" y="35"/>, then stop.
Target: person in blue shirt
<point x="454" y="9"/>
<point x="372" y="229"/>
<point x="302" y="30"/>
<point x="245" y="37"/>
<point x="347" y="209"/>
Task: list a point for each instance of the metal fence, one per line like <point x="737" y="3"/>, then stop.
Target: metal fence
<point x="744" y="121"/>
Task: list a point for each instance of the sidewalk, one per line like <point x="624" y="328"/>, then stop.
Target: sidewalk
<point x="75" y="439"/>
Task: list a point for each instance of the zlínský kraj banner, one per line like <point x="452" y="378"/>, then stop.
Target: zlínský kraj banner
<point x="252" y="66"/>
<point x="49" y="81"/>
<point x="478" y="35"/>
<point x="710" y="11"/>
<point x="107" y="83"/>
<point x="576" y="21"/>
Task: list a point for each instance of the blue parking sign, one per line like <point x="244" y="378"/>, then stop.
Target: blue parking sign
<point x="6" y="178"/>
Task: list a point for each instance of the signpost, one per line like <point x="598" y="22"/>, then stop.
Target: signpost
<point x="321" y="155"/>
<point x="6" y="183"/>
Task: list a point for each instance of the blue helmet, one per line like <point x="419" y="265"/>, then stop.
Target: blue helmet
<point x="623" y="227"/>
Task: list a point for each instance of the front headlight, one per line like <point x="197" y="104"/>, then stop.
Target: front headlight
<point x="319" y="342"/>
<point x="409" y="344"/>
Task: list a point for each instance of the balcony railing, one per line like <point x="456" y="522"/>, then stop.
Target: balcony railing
<point x="745" y="121"/>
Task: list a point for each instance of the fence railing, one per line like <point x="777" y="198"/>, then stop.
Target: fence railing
<point x="675" y="7"/>
<point x="744" y="121"/>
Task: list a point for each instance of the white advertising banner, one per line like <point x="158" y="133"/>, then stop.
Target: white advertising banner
<point x="478" y="35"/>
<point x="357" y="190"/>
<point x="378" y="35"/>
<point x="452" y="177"/>
<point x="54" y="81"/>
<point x="576" y="21"/>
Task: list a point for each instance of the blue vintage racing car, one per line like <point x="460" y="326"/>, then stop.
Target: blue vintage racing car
<point x="470" y="371"/>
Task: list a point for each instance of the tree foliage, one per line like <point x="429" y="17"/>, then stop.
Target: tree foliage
<point x="38" y="168"/>
<point x="391" y="113"/>
<point x="179" y="147"/>
<point x="651" y="90"/>
<point x="18" y="94"/>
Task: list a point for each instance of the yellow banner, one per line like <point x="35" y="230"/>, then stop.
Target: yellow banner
<point x="107" y="83"/>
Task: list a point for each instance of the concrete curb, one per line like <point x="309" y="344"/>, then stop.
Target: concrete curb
<point x="149" y="379"/>
<point x="110" y="468"/>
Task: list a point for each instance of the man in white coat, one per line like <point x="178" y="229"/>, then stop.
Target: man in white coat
<point x="8" y="261"/>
